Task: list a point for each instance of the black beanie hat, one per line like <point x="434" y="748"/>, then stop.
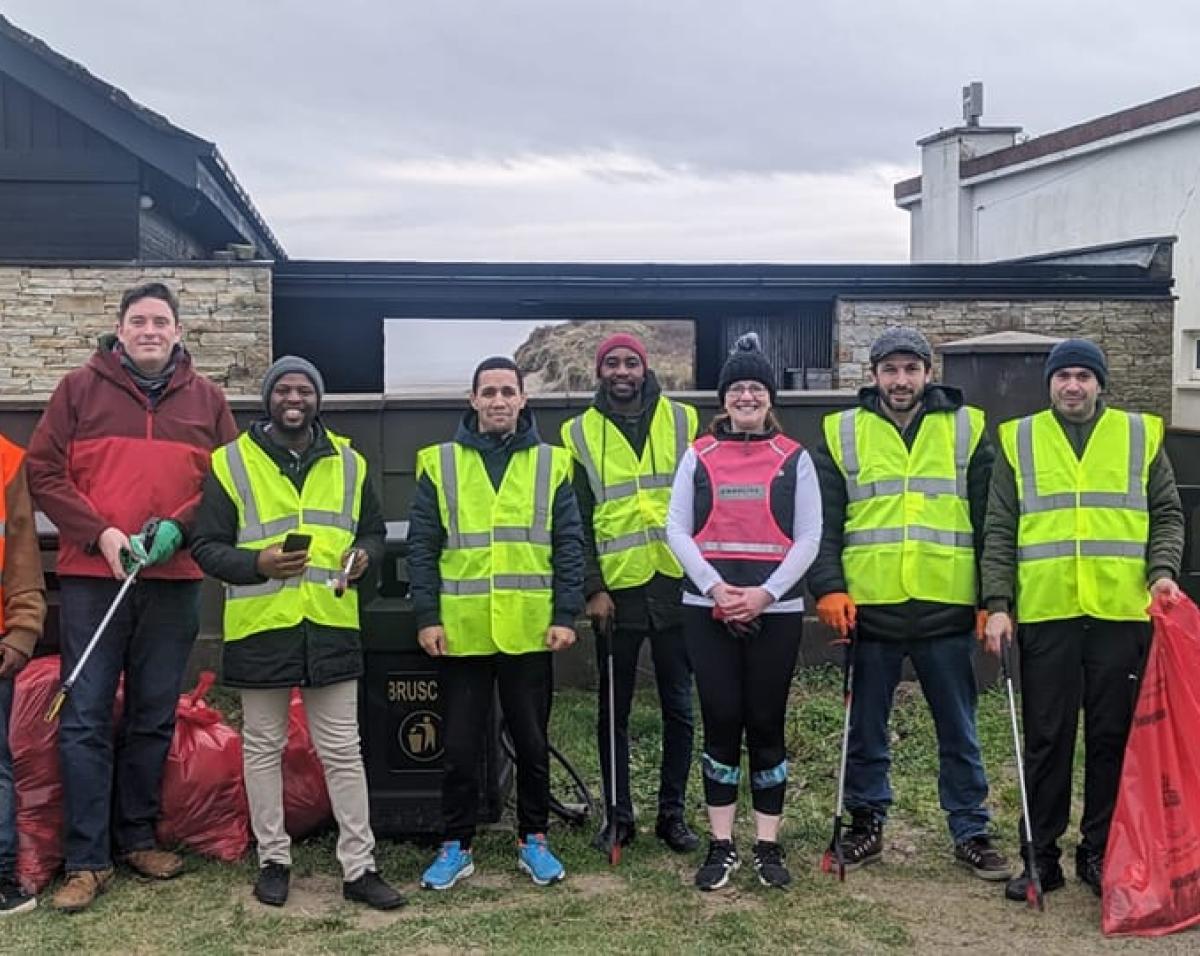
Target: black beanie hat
<point x="746" y="363"/>
<point x="286" y="365"/>
<point x="1077" y="353"/>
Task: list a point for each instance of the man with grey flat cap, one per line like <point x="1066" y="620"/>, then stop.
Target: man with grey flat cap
<point x="904" y="478"/>
<point x="290" y="522"/>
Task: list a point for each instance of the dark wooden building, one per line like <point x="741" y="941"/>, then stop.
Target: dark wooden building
<point x="334" y="311"/>
<point x="86" y="173"/>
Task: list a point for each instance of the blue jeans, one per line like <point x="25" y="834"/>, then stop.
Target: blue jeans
<point x="944" y="668"/>
<point x="8" y="793"/>
<point x="149" y="639"/>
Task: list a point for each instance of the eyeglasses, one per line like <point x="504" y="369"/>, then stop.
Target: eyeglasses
<point x="749" y="388"/>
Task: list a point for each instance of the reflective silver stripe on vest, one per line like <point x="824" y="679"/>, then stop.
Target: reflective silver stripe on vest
<point x="1133" y="499"/>
<point x="2" y="524"/>
<point x="522" y="582"/>
<point x="681" y="431"/>
<point x="949" y="539"/>
<point x="746" y="547"/>
<point x="579" y="438"/>
<point x="478" y="586"/>
<point x="267" y="588"/>
<point x="632" y="540"/>
<point x="501" y="582"/>
<point x="895" y="486"/>
<point x="1086" y="549"/>
<point x="542" y="501"/>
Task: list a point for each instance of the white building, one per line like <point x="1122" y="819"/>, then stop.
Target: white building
<point x="982" y="196"/>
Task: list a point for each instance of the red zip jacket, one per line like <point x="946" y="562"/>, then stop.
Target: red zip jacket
<point x="102" y="457"/>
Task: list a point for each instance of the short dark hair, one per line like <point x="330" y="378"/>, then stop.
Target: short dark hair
<point x="149" y="290"/>
<point x="500" y="362"/>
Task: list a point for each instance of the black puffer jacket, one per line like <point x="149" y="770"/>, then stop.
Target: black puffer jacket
<point x="309" y="654"/>
<point x="912" y="619"/>
<point x="427" y="536"/>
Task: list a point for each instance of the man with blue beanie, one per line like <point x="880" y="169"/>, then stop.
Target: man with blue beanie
<point x="1084" y="528"/>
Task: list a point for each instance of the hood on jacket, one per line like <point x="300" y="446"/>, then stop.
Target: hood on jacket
<point x="469" y="435"/>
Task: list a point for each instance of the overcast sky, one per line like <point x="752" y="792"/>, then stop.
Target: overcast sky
<point x="636" y="130"/>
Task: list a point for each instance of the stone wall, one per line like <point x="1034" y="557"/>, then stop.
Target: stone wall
<point x="51" y="316"/>
<point x="1136" y="334"/>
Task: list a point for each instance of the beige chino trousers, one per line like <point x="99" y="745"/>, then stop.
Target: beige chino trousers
<point x="333" y="722"/>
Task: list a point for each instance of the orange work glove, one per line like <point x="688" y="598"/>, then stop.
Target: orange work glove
<point x="980" y="623"/>
<point x="837" y="610"/>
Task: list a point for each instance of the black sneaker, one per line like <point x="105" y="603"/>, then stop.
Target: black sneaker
<point x="370" y="889"/>
<point x="620" y="831"/>
<point x="862" y="843"/>
<point x="979" y="856"/>
<point x="718" y="866"/>
<point x="769" y="865"/>
<point x="271" y="887"/>
<point x="676" y="834"/>
<point x="1050" y="874"/>
<point x="1088" y="867"/>
<point x="13" y="899"/>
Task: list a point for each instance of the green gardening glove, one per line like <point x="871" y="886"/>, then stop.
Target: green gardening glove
<point x="157" y="541"/>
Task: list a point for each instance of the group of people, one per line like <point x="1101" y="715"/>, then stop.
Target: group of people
<point x="918" y="540"/>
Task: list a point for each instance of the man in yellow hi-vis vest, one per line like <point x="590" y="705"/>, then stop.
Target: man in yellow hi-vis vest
<point x="495" y="562"/>
<point x="1084" y="526"/>
<point x="289" y="522"/>
<point x="626" y="447"/>
<point x="904" y="478"/>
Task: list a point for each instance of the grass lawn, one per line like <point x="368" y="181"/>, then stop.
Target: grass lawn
<point x="916" y="901"/>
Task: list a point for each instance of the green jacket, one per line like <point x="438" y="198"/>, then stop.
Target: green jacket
<point x="998" y="567"/>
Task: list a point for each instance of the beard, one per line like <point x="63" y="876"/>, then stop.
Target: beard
<point x="904" y="402"/>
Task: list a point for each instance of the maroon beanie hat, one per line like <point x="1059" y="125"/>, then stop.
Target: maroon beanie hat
<point x="621" y="340"/>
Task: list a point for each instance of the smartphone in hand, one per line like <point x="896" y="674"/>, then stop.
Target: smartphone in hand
<point x="297" y="542"/>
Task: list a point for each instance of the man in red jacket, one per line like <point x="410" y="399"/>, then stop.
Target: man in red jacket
<point x="125" y="440"/>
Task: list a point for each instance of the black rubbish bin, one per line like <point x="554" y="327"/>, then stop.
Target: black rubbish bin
<point x="401" y="719"/>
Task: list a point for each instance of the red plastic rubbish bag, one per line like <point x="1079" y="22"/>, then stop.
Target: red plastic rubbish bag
<point x="1151" y="876"/>
<point x="306" y="806"/>
<point x="33" y="741"/>
<point x="203" y="790"/>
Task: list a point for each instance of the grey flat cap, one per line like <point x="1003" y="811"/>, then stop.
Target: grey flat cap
<point x="901" y="338"/>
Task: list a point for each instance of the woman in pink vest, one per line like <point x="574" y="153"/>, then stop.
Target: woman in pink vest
<point x="745" y="523"/>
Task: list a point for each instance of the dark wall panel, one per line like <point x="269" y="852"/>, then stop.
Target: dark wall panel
<point x="343" y="337"/>
<point x="68" y="220"/>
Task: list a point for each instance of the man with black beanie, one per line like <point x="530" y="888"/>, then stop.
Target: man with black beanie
<point x="290" y="522"/>
<point x="1084" y="528"/>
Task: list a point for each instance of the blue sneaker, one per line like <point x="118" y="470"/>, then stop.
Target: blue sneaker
<point x="453" y="863"/>
<point x="535" y="858"/>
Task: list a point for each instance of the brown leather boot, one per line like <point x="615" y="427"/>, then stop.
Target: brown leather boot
<point x="81" y="889"/>
<point x="154" y="864"/>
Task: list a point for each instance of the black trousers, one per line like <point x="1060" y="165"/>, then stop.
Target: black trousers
<point x="743" y="684"/>
<point x="673" y="675"/>
<point x="1065" y="664"/>
<point x="466" y="684"/>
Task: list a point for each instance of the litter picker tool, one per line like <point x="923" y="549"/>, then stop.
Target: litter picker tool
<point x="834" y="859"/>
<point x="59" y="698"/>
<point x="614" y="842"/>
<point x="1033" y="889"/>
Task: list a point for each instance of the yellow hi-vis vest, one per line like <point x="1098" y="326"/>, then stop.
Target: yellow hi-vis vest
<point x="268" y="507"/>
<point x="496" y="564"/>
<point x="1084" y="522"/>
<point x="908" y="533"/>
<point x="632" y="495"/>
